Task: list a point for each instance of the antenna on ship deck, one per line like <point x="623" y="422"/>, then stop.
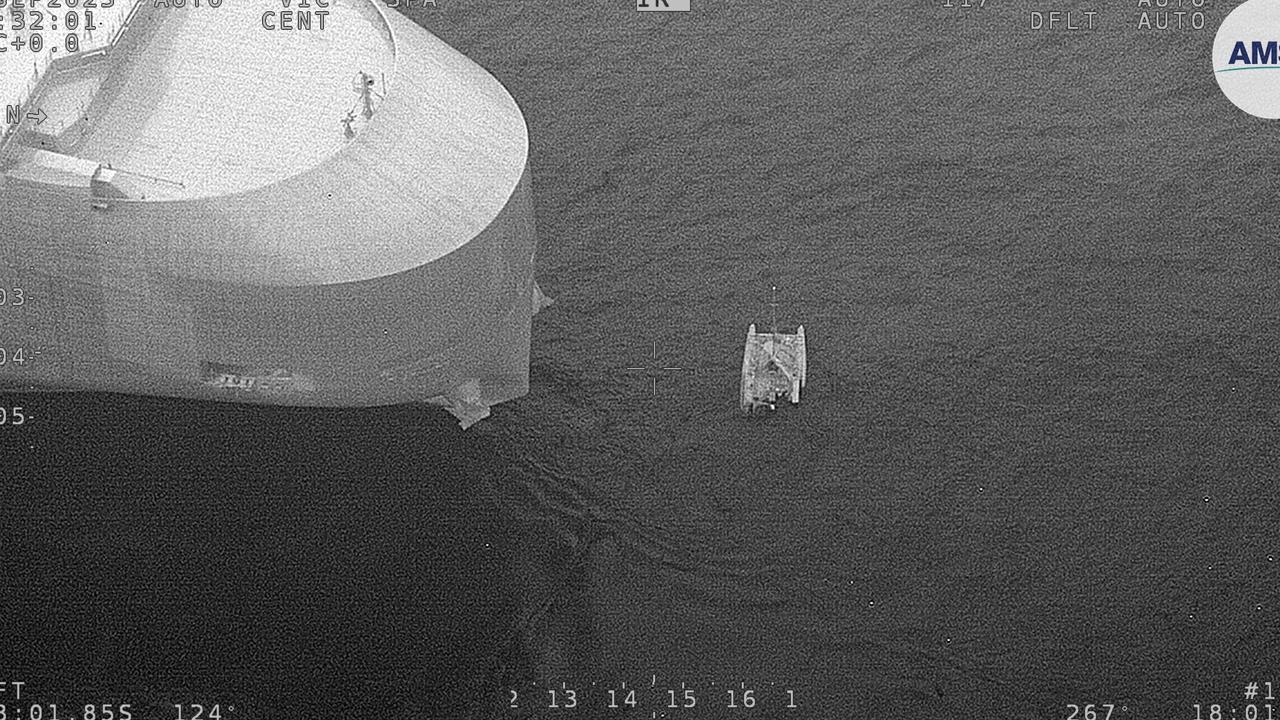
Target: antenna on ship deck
<point x="363" y="85"/>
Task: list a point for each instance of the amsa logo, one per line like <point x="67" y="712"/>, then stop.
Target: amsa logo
<point x="1253" y="56"/>
<point x="1246" y="62"/>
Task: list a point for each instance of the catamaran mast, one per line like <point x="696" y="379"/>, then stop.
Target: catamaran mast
<point x="773" y="319"/>
<point x="773" y="307"/>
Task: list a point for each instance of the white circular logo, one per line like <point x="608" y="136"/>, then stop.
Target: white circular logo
<point x="1246" y="58"/>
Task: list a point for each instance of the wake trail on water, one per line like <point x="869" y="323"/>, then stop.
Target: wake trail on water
<point x="542" y="491"/>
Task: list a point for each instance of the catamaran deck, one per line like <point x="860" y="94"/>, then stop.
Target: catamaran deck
<point x="774" y="366"/>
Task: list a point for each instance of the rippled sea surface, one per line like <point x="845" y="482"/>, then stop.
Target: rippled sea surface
<point x="1035" y="464"/>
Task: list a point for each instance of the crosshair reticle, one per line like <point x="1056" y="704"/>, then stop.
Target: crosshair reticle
<point x="655" y="369"/>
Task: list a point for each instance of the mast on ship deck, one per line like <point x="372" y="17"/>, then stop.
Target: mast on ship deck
<point x="773" y="319"/>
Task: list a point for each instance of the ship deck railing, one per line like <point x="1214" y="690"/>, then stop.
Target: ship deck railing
<point x="21" y="90"/>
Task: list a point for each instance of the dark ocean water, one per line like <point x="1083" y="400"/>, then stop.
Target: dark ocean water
<point x="1034" y="465"/>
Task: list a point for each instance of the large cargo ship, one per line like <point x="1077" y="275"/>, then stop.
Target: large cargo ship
<point x="260" y="201"/>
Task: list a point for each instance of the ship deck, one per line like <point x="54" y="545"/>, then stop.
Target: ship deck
<point x="204" y="115"/>
<point x="21" y="69"/>
<point x="231" y="163"/>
